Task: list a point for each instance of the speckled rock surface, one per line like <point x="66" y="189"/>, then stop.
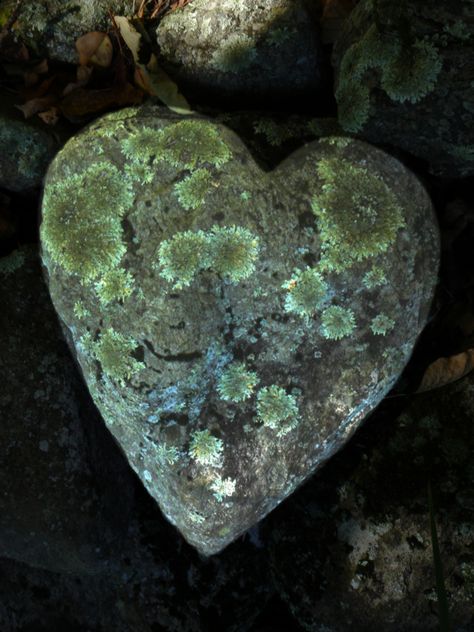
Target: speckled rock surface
<point x="27" y="149"/>
<point x="353" y="550"/>
<point x="232" y="325"/>
<point x="59" y="471"/>
<point x="154" y="582"/>
<point x="225" y="50"/>
<point x="51" y="27"/>
<point x="404" y="78"/>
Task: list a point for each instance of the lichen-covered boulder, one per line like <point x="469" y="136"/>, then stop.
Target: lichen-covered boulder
<point x="51" y="27"/>
<point x="404" y="77"/>
<point x="60" y="473"/>
<point x="371" y="566"/>
<point x="27" y="149"/>
<point x="250" y="51"/>
<point x="234" y="325"/>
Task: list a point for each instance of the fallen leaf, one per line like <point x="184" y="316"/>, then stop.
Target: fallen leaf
<point x="151" y="77"/>
<point x="130" y="35"/>
<point x="81" y="102"/>
<point x="83" y="76"/>
<point x="33" y="106"/>
<point x="446" y="370"/>
<point x="50" y="116"/>
<point x="95" y="48"/>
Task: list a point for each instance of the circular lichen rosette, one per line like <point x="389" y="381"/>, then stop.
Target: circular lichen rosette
<point x="233" y="325"/>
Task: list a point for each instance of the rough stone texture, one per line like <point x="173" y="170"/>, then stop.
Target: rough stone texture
<point x="232" y="325"/>
<point x="250" y="51"/>
<point x="60" y="474"/>
<point x="155" y="582"/>
<point x="51" y="27"/>
<point x="353" y="550"/>
<point x="27" y="149"/>
<point x="404" y="77"/>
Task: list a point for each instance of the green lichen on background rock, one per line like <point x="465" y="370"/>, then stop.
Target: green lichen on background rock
<point x="226" y="356"/>
<point x="403" y="77"/>
<point x="222" y="50"/>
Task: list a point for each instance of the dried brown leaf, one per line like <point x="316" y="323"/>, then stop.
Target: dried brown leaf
<point x="95" y="48"/>
<point x="39" y="104"/>
<point x="151" y="77"/>
<point x="446" y="370"/>
<point x="81" y="102"/>
<point x="50" y="116"/>
<point x="83" y="76"/>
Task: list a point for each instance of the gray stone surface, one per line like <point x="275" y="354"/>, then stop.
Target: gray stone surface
<point x="234" y="326"/>
<point x="153" y="583"/>
<point x="51" y="27"/>
<point x="65" y="489"/>
<point x="404" y="78"/>
<point x="27" y="149"/>
<point x="246" y="51"/>
<point x="353" y="550"/>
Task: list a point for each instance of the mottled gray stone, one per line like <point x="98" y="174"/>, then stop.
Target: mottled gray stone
<point x="153" y="583"/>
<point x="51" y="27"/>
<point x="404" y="78"/>
<point x="354" y="551"/>
<point x="27" y="149"/>
<point x="61" y="477"/>
<point x="249" y="51"/>
<point x="158" y="343"/>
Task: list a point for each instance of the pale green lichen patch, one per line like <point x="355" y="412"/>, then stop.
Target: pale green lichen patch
<point x="183" y="256"/>
<point x="277" y="409"/>
<point x="168" y="454"/>
<point x="192" y="190"/>
<point x="82" y="215"/>
<point x="206" y="449"/>
<point x="306" y="292"/>
<point x="13" y="262"/>
<point x="188" y="144"/>
<point x="237" y="383"/>
<point x="223" y="488"/>
<point x="235" y="54"/>
<point x="231" y="251"/>
<point x="142" y="145"/>
<point x="80" y="310"/>
<point x="382" y="324"/>
<point x="337" y="322"/>
<point x="375" y="277"/>
<point x="408" y="71"/>
<point x="234" y="251"/>
<point x="114" y="352"/>
<point x="116" y="284"/>
<point x="413" y="73"/>
<point x="358" y="215"/>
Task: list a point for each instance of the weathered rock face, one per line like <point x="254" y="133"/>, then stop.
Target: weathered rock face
<point x="234" y="326"/>
<point x="26" y="152"/>
<point x="404" y="77"/>
<point x="59" y="478"/>
<point x="370" y="565"/>
<point x="51" y="27"/>
<point x="223" y="50"/>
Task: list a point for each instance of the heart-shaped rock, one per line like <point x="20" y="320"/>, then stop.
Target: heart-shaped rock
<point x="234" y="326"/>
